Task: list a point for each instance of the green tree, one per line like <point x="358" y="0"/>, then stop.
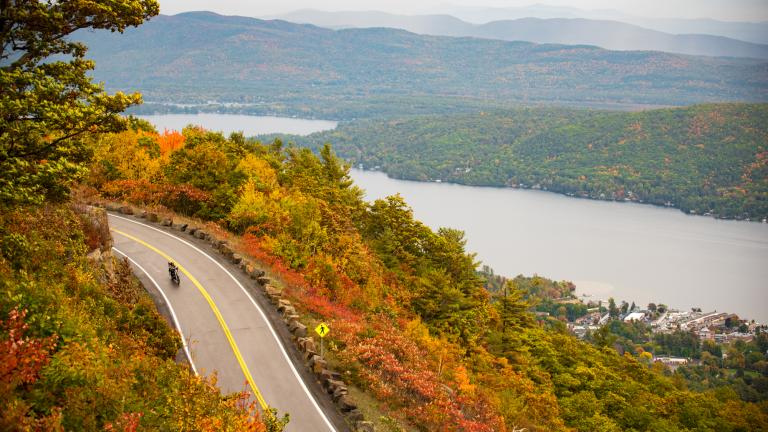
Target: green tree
<point x="613" y="311"/>
<point x="513" y="319"/>
<point x="513" y="309"/>
<point x="48" y="102"/>
<point x="397" y="238"/>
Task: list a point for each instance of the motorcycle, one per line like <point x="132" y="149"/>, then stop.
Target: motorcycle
<point x="173" y="270"/>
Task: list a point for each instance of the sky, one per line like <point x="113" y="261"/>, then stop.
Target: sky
<point x="725" y="10"/>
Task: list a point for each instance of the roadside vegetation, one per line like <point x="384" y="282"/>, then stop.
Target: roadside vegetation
<point x="82" y="346"/>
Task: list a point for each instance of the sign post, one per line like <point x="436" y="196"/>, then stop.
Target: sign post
<point x="322" y="330"/>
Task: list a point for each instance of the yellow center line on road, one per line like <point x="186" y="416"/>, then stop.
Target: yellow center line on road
<point x="216" y="312"/>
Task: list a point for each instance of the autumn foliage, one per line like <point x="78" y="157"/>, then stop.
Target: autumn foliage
<point x="412" y="324"/>
<point x="21" y="357"/>
<point x="82" y="346"/>
<point x="183" y="198"/>
<point x="169" y="141"/>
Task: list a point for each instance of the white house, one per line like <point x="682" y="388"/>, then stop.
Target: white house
<point x="634" y="316"/>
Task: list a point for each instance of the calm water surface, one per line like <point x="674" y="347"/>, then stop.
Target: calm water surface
<point x="249" y="125"/>
<point x="629" y="251"/>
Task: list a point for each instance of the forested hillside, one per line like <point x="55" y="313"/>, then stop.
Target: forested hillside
<point x="82" y="346"/>
<point x="703" y="159"/>
<point x="413" y="327"/>
<point x="276" y="66"/>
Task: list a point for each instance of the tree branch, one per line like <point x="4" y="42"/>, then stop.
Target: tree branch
<point x="48" y="146"/>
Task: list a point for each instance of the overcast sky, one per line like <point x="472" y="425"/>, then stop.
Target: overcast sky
<point x="726" y="10"/>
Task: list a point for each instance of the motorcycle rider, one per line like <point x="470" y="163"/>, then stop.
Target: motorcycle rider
<point x="173" y="270"/>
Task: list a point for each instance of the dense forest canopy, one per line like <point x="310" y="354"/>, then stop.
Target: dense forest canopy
<point x="703" y="159"/>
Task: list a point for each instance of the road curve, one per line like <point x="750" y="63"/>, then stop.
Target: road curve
<point x="225" y="329"/>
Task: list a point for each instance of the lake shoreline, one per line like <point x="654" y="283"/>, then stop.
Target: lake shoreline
<point x="567" y="195"/>
<point x="249" y="125"/>
<point x="643" y="253"/>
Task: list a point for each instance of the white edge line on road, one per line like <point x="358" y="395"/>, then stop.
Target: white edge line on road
<point x="170" y="307"/>
<point x="263" y="315"/>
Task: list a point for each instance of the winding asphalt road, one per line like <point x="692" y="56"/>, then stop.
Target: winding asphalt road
<point x="225" y="329"/>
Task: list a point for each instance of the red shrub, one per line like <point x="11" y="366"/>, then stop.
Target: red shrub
<point x="184" y="198"/>
<point x="21" y="357"/>
<point x="398" y="372"/>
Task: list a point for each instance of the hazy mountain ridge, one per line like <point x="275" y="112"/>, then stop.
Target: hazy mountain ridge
<point x="446" y="25"/>
<point x="755" y="32"/>
<point x="606" y="34"/>
<point x="204" y="56"/>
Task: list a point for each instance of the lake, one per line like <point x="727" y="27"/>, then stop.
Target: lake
<point x="249" y="125"/>
<point x="629" y="251"/>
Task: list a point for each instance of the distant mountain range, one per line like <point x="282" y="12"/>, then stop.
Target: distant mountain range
<point x="606" y="34"/>
<point x="198" y="57"/>
<point x="756" y="32"/>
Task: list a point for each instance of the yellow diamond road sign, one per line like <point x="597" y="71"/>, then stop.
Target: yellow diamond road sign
<point x="322" y="330"/>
